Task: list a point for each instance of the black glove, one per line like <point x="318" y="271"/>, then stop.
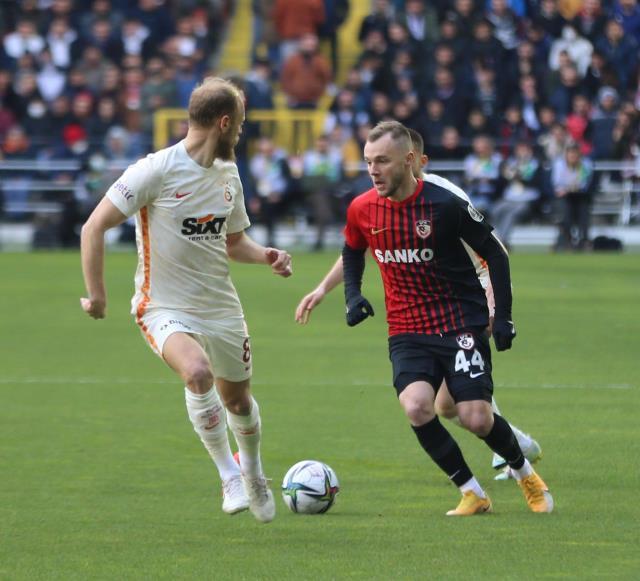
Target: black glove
<point x="503" y="334"/>
<point x="358" y="309"/>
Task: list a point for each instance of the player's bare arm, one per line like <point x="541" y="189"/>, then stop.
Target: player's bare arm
<point x="104" y="217"/>
<point x="332" y="279"/>
<point x="241" y="248"/>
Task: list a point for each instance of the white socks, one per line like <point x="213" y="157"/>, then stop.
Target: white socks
<point x="209" y="421"/>
<point x="246" y="430"/>
<point x="474" y="486"/>
<point x="523" y="472"/>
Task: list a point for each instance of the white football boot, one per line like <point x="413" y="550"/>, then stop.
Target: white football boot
<point x="261" y="502"/>
<point x="234" y="497"/>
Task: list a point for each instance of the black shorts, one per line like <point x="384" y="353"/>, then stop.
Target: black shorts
<point x="463" y="359"/>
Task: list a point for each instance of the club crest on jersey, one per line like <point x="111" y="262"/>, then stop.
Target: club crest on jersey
<point x="475" y="215"/>
<point x="423" y="228"/>
<point x="465" y="340"/>
<point x="228" y="196"/>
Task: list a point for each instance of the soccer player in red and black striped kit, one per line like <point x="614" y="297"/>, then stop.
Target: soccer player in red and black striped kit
<point x="420" y="234"/>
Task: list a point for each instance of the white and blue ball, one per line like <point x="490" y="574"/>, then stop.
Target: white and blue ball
<point x="310" y="487"/>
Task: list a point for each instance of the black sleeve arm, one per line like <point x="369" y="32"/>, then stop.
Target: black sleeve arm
<point x="498" y="262"/>
<point x="353" y="265"/>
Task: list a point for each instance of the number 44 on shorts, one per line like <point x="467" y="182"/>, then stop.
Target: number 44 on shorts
<point x="463" y="364"/>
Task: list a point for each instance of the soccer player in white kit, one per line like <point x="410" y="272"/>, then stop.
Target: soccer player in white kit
<point x="444" y="404"/>
<point x="190" y="219"/>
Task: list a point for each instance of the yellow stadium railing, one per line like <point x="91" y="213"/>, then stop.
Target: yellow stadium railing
<point x="293" y="130"/>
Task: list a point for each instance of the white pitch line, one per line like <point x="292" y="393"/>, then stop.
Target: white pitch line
<point x="358" y="383"/>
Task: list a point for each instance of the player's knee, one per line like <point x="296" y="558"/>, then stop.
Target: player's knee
<point x="477" y="421"/>
<point x="418" y="411"/>
<point x="199" y="377"/>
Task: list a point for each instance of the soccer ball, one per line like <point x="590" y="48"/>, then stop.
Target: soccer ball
<point x="310" y="487"/>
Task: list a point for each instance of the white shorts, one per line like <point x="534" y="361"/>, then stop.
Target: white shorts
<point x="226" y="341"/>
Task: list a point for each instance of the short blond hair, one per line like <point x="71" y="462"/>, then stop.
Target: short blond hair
<point x="397" y="130"/>
<point x="212" y="99"/>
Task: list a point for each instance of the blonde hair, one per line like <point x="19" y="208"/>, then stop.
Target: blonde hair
<point x="397" y="130"/>
<point x="212" y="99"/>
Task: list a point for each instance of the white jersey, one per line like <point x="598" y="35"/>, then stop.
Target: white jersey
<point x="478" y="262"/>
<point x="183" y="215"/>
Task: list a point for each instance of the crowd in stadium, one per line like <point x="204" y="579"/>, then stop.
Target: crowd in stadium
<point x="505" y="85"/>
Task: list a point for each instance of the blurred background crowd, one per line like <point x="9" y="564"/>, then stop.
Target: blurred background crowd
<point x="524" y="97"/>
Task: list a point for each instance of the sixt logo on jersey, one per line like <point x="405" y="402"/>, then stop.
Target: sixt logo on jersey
<point x="208" y="224"/>
<point x="404" y="255"/>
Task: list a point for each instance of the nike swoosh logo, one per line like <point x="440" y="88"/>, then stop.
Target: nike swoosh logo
<point x="474" y="375"/>
<point x="375" y="231"/>
<point x="178" y="196"/>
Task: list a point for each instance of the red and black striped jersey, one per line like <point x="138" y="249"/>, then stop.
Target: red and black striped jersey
<point x="429" y="277"/>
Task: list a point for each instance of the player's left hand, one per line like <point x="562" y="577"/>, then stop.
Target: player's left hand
<point x="503" y="334"/>
<point x="358" y="309"/>
<point x="280" y="262"/>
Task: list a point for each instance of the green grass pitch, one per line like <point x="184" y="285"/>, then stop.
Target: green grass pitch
<point x="102" y="477"/>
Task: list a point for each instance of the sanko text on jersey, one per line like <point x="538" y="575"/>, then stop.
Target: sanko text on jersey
<point x="405" y="255"/>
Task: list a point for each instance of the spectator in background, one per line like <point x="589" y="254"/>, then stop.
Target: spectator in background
<point x="106" y="116"/>
<point x="295" y="20"/>
<point x="482" y="173"/>
<point x="158" y="91"/>
<point x="463" y="13"/>
<point x="547" y="18"/>
<point x="554" y="142"/>
<point x="603" y="121"/>
<point x="271" y="179"/>
<point x="258" y="88"/>
<point x="100" y="9"/>
<point x="530" y="103"/>
<point x="522" y="173"/>
<point x="16" y="186"/>
<point x="306" y="75"/>
<point x="512" y="130"/>
<point x="156" y="16"/>
<point x="589" y="22"/>
<point x="572" y="179"/>
<point x="343" y="114"/>
<point x="264" y="44"/>
<point x="431" y="124"/>
<point x="93" y="65"/>
<point x="627" y="12"/>
<point x="487" y="98"/>
<point x="378" y="20"/>
<point x="24" y="40"/>
<point x="578" y="123"/>
<point x="579" y="50"/>
<point x="450" y="148"/>
<point x="561" y="98"/>
<point x="485" y="48"/>
<point x="421" y="21"/>
<point x="136" y="38"/>
<point x="336" y="12"/>
<point x="63" y="43"/>
<point x="322" y="172"/>
<point x="599" y="74"/>
<point x="477" y="124"/>
<point x="620" y="51"/>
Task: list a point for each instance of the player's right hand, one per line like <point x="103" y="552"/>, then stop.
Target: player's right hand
<point x="307" y="304"/>
<point x="504" y="333"/>
<point x="94" y="308"/>
<point x="358" y="309"/>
